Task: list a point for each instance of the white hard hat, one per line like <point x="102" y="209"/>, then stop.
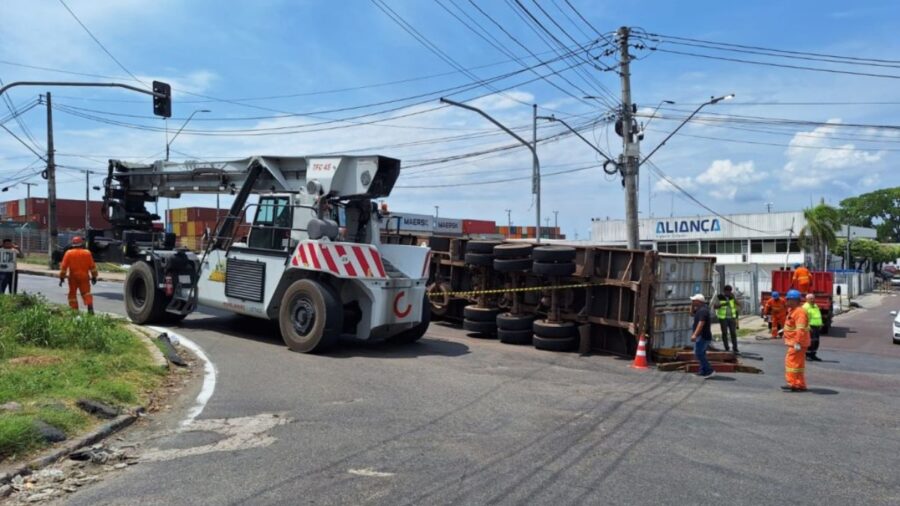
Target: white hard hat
<point x="699" y="297"/>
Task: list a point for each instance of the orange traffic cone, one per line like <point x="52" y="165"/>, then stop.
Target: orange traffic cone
<point x="640" y="359"/>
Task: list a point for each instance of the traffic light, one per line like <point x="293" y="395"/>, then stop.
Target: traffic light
<point x="162" y="106"/>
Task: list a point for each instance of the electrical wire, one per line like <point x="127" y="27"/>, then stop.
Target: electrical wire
<point x="497" y="181"/>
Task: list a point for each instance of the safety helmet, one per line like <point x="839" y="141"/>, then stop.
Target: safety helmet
<point x="77" y="241"/>
<point x="775" y="295"/>
<point x="793" y="295"/>
<point x="797" y="265"/>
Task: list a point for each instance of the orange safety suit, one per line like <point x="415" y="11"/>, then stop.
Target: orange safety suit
<point x="81" y="270"/>
<point x="796" y="331"/>
<point x="777" y="312"/>
<point x="802" y="280"/>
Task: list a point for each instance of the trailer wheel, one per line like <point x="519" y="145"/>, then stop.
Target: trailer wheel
<point x="480" y="314"/>
<point x="414" y="334"/>
<point x="479" y="259"/>
<point x="438" y="297"/>
<point x="515" y="336"/>
<point x="509" y="321"/>
<point x="144" y="303"/>
<point x="484" y="247"/>
<point x="512" y="264"/>
<point x="553" y="254"/>
<point x="548" y="269"/>
<point x="309" y="317"/>
<point x="481" y="329"/>
<point x="513" y="250"/>
<point x="554" y="343"/>
<point x="551" y="330"/>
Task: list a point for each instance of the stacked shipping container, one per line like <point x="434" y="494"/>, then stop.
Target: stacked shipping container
<point x="69" y="213"/>
<point x="193" y="226"/>
<point x="517" y="232"/>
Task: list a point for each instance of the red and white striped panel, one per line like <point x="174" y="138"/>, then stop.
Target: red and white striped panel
<point x="343" y="260"/>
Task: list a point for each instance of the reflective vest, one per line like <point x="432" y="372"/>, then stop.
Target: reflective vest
<point x="8" y="260"/>
<point x="796" y="328"/>
<point x="722" y="303"/>
<point x="814" y="314"/>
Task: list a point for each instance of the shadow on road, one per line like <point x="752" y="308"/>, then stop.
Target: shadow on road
<point x="421" y="348"/>
<point x="822" y="391"/>
<point x="110" y="295"/>
<point x="839" y="332"/>
<point x="722" y="378"/>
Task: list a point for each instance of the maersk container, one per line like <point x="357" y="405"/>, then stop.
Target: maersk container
<point x="407" y="222"/>
<point x="679" y="277"/>
<point x="448" y="226"/>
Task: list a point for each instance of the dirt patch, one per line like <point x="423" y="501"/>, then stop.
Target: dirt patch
<point x="35" y="360"/>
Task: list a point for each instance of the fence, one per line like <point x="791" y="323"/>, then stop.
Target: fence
<point x="36" y="241"/>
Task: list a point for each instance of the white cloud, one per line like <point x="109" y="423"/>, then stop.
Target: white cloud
<point x="506" y="100"/>
<point x="664" y="186"/>
<point x="822" y="152"/>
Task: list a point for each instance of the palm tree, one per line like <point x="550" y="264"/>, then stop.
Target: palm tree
<point x="820" y="232"/>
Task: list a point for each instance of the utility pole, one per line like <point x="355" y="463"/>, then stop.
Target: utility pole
<point x="769" y="207"/>
<point x="87" y="203"/>
<point x="53" y="232"/>
<point x="555" y="219"/>
<point x="536" y="171"/>
<point x="436" y="209"/>
<point x="28" y="189"/>
<point x="632" y="149"/>
<point x="508" y="217"/>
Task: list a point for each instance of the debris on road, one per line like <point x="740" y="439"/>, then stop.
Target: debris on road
<point x="683" y="359"/>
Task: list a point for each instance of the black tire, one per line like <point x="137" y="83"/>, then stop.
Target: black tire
<point x="414" y="334"/>
<point x="483" y="247"/>
<point x="512" y="264"/>
<point x="555" y="343"/>
<point x="509" y="321"/>
<point x="515" y="336"/>
<point x="513" y="250"/>
<point x="487" y="329"/>
<point x="481" y="314"/>
<point x="438" y="300"/>
<point x="144" y="303"/>
<point x="545" y="269"/>
<point x="310" y="317"/>
<point x="551" y="330"/>
<point x="480" y="259"/>
<point x="553" y="254"/>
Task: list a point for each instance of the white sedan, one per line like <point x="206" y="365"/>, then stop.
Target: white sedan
<point x="896" y="327"/>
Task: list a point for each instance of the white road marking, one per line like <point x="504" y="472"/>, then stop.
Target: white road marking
<point x="240" y="434"/>
<point x="370" y="473"/>
<point x="209" y="375"/>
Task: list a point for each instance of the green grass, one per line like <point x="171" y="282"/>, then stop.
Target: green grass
<point x="50" y="357"/>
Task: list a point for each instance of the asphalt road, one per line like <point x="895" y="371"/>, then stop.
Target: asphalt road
<point x="457" y="420"/>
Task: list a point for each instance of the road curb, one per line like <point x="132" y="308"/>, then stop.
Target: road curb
<point x="35" y="271"/>
<point x="102" y="432"/>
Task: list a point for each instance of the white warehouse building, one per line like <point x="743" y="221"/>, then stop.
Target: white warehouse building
<point x="748" y="245"/>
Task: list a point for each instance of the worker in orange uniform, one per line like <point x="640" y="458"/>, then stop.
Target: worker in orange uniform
<point x="796" y="338"/>
<point x="776" y="310"/>
<point x="82" y="273"/>
<point x="802" y="279"/>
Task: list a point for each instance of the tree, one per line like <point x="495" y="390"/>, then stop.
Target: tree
<point x="879" y="210"/>
<point x="820" y="232"/>
<point x="867" y="251"/>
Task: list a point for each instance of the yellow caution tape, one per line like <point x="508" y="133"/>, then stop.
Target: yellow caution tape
<point x="471" y="293"/>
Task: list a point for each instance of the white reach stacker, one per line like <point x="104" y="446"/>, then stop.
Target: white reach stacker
<point x="312" y="260"/>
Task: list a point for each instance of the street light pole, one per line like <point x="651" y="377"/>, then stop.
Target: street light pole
<point x="711" y="101"/>
<point x="87" y="202"/>
<point x="536" y="183"/>
<point x="170" y="141"/>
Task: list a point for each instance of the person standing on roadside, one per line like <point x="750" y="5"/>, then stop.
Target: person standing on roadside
<point x="815" y="326"/>
<point x="82" y="273"/>
<point x="776" y="310"/>
<point x="796" y="338"/>
<point x="702" y="334"/>
<point x="727" y="313"/>
<point x="9" y="253"/>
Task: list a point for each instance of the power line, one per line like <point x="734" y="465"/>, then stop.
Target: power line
<point x="497" y="181"/>
<point x="88" y="31"/>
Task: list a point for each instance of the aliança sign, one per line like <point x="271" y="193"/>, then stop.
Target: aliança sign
<point x="700" y="225"/>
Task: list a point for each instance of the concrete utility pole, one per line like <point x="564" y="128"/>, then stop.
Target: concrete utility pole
<point x="53" y="232"/>
<point x="555" y="219"/>
<point x="631" y="146"/>
<point x="436" y="209"/>
<point x="508" y="217"/>
<point x="536" y="172"/>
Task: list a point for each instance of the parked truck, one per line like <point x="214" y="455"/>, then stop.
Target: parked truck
<point x="822" y="288"/>
<point x="318" y="277"/>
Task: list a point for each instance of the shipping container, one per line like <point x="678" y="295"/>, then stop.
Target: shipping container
<point x="479" y="227"/>
<point x="672" y="328"/>
<point x="448" y="226"/>
<point x="680" y="277"/>
<point x="407" y="222"/>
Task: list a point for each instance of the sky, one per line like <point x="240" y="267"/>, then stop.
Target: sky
<point x="308" y="77"/>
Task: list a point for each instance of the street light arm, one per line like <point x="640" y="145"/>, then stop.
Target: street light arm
<point x="82" y="84"/>
<point x="673" y="132"/>
<point x="495" y="122"/>
<point x="182" y="127"/>
<point x="595" y="148"/>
